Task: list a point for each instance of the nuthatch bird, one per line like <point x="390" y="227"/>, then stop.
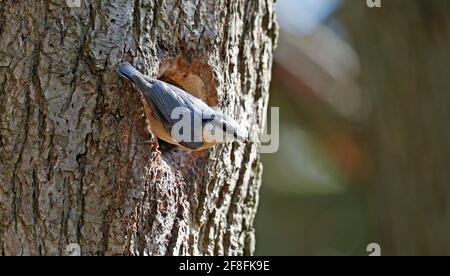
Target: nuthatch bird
<point x="163" y="103"/>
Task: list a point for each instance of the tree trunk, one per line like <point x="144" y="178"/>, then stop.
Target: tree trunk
<point x="404" y="51"/>
<point x="73" y="165"/>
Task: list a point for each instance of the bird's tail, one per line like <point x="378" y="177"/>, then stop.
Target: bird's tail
<point x="127" y="70"/>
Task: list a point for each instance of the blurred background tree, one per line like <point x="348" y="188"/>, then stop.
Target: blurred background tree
<point x="364" y="153"/>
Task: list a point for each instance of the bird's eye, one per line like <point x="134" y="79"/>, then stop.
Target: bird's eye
<point x="224" y="128"/>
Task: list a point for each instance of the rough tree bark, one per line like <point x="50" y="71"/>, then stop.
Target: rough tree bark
<point x="73" y="165"/>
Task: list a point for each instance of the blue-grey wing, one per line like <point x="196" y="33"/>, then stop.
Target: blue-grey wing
<point x="197" y="105"/>
<point x="167" y="97"/>
<point x="163" y="100"/>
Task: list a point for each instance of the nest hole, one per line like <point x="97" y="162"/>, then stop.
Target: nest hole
<point x="195" y="78"/>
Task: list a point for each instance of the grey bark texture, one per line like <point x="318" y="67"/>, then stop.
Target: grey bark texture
<point x="73" y="165"/>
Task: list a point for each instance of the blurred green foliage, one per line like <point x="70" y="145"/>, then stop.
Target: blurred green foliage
<point x="379" y="173"/>
<point x="306" y="206"/>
